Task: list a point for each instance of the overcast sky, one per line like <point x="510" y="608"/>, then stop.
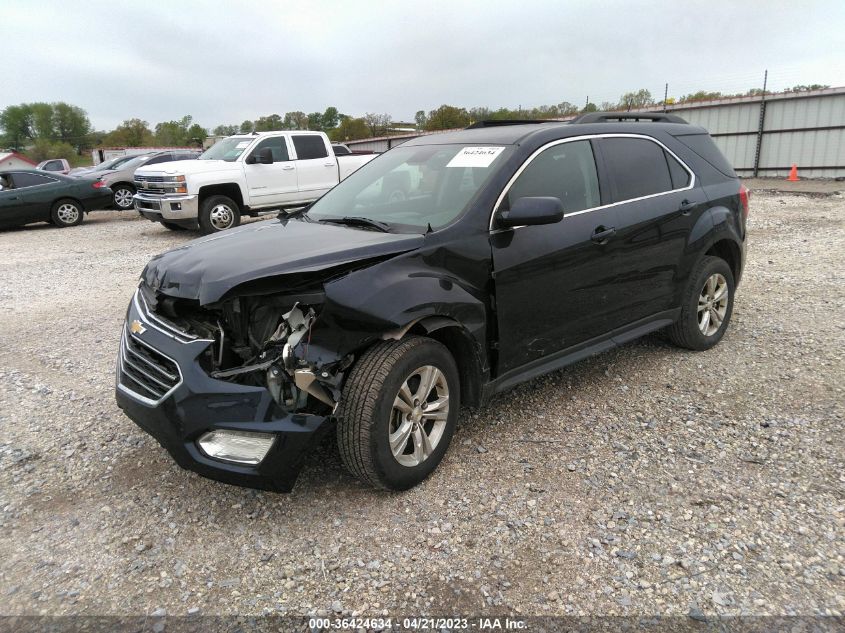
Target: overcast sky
<point x="226" y="62"/>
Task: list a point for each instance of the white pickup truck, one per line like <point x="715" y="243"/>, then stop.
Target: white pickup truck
<point x="242" y="175"/>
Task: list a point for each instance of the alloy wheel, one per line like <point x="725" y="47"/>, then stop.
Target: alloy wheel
<point x="123" y="198"/>
<point x="68" y="213"/>
<point x="712" y="304"/>
<point x="418" y="417"/>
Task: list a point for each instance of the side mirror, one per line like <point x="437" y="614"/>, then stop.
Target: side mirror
<point x="531" y="212"/>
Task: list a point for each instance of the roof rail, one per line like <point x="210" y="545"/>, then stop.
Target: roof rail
<point x="497" y="123"/>
<point x="605" y="117"/>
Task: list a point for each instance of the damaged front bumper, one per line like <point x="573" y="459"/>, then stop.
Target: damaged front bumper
<point x="161" y="386"/>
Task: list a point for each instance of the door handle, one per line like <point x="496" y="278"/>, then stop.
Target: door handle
<point x="328" y="164"/>
<point x="288" y="167"/>
<point x="602" y="233"/>
<point x="686" y="206"/>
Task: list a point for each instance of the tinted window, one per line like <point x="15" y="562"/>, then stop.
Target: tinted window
<point x="164" y="158"/>
<point x="637" y="166"/>
<point x="340" y="150"/>
<point x="277" y="145"/>
<point x="704" y="146"/>
<point x="566" y="171"/>
<point x="54" y="165"/>
<point x="308" y="147"/>
<point x="680" y="176"/>
<point x="30" y="180"/>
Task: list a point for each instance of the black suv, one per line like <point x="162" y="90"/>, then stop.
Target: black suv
<point x="449" y="269"/>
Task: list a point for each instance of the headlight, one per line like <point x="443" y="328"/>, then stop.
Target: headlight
<point x="240" y="447"/>
<point x="174" y="178"/>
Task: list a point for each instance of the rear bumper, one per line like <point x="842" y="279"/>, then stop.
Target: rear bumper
<point x="167" y="208"/>
<point x="199" y="403"/>
<point x="102" y="201"/>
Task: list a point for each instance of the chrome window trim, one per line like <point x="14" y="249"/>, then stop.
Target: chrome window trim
<point x="121" y="372"/>
<point x="587" y="137"/>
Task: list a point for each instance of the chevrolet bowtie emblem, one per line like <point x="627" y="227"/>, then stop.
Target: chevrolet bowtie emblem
<point x="136" y="327"/>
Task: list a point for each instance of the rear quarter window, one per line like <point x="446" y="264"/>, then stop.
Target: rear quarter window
<point x="703" y="145"/>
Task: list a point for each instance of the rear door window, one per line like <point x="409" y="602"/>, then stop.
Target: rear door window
<point x="309" y="147"/>
<point x="680" y="176"/>
<point x="566" y="171"/>
<point x="164" y="158"/>
<point x="637" y="166"/>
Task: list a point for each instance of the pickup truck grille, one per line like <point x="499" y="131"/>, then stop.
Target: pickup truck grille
<point x="139" y="178"/>
<point x="144" y="371"/>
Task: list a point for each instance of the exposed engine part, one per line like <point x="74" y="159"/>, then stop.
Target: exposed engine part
<point x="228" y="373"/>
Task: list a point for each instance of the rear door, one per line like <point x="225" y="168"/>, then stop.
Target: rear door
<point x="316" y="168"/>
<point x="657" y="204"/>
<point x="275" y="183"/>
<point x="554" y="283"/>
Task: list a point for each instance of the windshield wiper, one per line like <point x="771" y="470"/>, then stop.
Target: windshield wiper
<point x="359" y="221"/>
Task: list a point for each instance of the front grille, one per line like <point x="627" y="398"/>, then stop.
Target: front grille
<point x="146" y="372"/>
<point x="163" y="325"/>
<point x="139" y="178"/>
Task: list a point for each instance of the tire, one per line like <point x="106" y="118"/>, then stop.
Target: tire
<point x="370" y="416"/>
<point x="218" y="213"/>
<point x="703" y="321"/>
<point x="66" y="212"/>
<point x="123" y="197"/>
<point x="172" y="226"/>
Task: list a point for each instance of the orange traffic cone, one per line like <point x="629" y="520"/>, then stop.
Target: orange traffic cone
<point x="793" y="173"/>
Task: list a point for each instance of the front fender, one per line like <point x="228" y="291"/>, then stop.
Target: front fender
<point x="366" y="305"/>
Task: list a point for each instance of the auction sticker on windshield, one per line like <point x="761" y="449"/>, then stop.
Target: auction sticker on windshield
<point x="475" y="157"/>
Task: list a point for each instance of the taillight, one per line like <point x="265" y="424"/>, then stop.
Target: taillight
<point x="743" y="199"/>
<point x="98" y="184"/>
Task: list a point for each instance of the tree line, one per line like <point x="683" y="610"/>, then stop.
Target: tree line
<point x="61" y="130"/>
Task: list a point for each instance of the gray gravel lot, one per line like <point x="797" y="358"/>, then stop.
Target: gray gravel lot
<point x="645" y="480"/>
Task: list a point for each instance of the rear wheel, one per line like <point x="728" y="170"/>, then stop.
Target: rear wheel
<point x="707" y="306"/>
<point x="66" y="213"/>
<point x="400" y="407"/>
<point x="123" y="197"/>
<point x="218" y="213"/>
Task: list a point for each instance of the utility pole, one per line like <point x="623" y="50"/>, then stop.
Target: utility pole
<point x="665" y="96"/>
<point x="760" y="125"/>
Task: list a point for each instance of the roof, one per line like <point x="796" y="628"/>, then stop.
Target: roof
<point x="8" y="155"/>
<point x="547" y="130"/>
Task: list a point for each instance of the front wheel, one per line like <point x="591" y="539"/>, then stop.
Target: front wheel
<point x="66" y="213"/>
<point x="123" y="197"/>
<point x="707" y="306"/>
<point x="218" y="213"/>
<point x="400" y="407"/>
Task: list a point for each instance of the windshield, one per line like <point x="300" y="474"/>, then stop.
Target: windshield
<point x="112" y="163"/>
<point x="410" y="189"/>
<point x="228" y="149"/>
<point x="133" y="163"/>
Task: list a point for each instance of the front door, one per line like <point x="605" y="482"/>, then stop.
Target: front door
<point x="553" y="283"/>
<point x="275" y="183"/>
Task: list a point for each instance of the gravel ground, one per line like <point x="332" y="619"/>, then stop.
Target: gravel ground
<point x="646" y="480"/>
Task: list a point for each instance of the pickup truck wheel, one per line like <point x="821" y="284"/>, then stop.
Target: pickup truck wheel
<point x="66" y="213"/>
<point x="707" y="306"/>
<point x="218" y="213"/>
<point x="172" y="226"/>
<point x="123" y="197"/>
<point x="400" y="407"/>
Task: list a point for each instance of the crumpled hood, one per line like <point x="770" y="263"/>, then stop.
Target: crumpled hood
<point x="207" y="268"/>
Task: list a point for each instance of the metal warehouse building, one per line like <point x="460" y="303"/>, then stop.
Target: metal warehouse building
<point x="760" y="136"/>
